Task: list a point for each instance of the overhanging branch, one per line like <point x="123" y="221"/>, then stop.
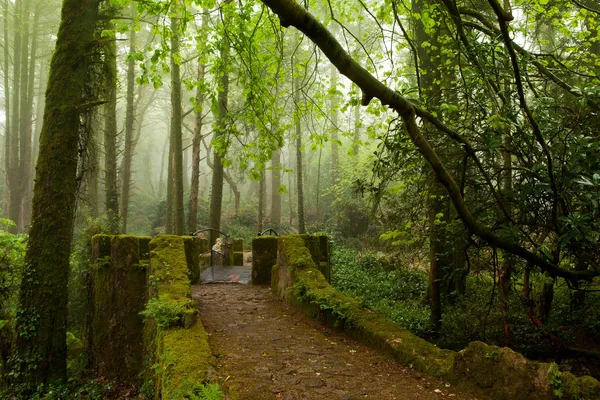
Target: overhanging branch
<point x="292" y="14"/>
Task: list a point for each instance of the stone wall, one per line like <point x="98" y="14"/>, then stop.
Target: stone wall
<point x="167" y="347"/>
<point x="493" y="372"/>
<point x="118" y="294"/>
<point x="179" y="347"/>
<point x="265" y="253"/>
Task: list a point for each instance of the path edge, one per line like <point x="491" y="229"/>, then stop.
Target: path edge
<point x="497" y="373"/>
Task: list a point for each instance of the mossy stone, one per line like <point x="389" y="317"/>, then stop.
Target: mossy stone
<point x="264" y="256"/>
<point x="192" y="256"/>
<point x="238" y="245"/>
<point x="186" y="362"/>
<point x="238" y="258"/>
<point x="313" y="244"/>
<point x="119" y="295"/>
<point x="324" y="247"/>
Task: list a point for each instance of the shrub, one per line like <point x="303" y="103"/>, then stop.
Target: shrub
<point x="395" y="292"/>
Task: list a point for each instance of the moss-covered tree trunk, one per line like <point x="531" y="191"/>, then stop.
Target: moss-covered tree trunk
<point x="42" y="320"/>
<point x="299" y="180"/>
<point x="110" y="129"/>
<point x="129" y="119"/>
<point x="176" y="127"/>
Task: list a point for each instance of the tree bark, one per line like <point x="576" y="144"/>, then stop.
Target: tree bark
<point x="198" y="109"/>
<point x="275" y="184"/>
<point x="299" y="169"/>
<point x="42" y="320"/>
<point x="216" y="196"/>
<point x="261" y="203"/>
<point x="129" y="121"/>
<point x="110" y="131"/>
<point x="291" y="13"/>
<point x="7" y="100"/>
<point x="333" y="106"/>
<point x="176" y="128"/>
<point x="12" y="172"/>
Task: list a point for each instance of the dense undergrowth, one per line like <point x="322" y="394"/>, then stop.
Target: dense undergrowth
<point x="400" y="293"/>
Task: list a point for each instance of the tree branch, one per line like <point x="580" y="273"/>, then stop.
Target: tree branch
<point x="292" y="14"/>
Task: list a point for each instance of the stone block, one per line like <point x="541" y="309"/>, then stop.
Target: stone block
<point x="264" y="257"/>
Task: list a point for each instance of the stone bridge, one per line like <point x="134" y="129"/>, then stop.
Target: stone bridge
<point x="289" y="335"/>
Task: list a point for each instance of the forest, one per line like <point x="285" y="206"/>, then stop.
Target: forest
<point x="449" y="149"/>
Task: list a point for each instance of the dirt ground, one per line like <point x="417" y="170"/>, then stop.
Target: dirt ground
<point x="266" y="350"/>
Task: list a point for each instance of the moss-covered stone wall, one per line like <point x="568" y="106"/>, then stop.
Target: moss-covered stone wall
<point x="499" y="373"/>
<point x="179" y="349"/>
<point x="238" y="252"/>
<point x="167" y="347"/>
<point x="118" y="294"/>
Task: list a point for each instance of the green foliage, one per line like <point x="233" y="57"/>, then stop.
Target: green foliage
<point x="397" y="293"/>
<point x="199" y="391"/>
<point x="12" y="254"/>
<point x="73" y="389"/>
<point x="165" y="313"/>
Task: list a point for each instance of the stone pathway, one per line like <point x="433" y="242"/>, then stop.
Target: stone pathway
<point x="266" y="350"/>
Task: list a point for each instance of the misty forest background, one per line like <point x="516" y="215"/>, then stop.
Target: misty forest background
<point x="197" y="114"/>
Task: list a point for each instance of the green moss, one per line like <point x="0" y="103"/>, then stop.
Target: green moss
<point x="313" y="244"/>
<point x="192" y="256"/>
<point x="187" y="358"/>
<point x="578" y="388"/>
<point x="204" y="260"/>
<point x="238" y="245"/>
<point x="182" y="352"/>
<point x="294" y="252"/>
<point x="119" y="294"/>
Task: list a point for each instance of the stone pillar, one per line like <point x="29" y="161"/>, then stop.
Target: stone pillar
<point x="264" y="257"/>
<point x="325" y="254"/>
<point x="119" y="295"/>
<point x="192" y="255"/>
<point x="238" y="252"/>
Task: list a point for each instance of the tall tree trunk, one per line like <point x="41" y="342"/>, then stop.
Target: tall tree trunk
<point x="430" y="62"/>
<point x="42" y="320"/>
<point x="169" y="221"/>
<point x="93" y="184"/>
<point x="216" y="196"/>
<point x="163" y="157"/>
<point x="110" y="131"/>
<point x="261" y="203"/>
<point x="357" y="126"/>
<point x="13" y="179"/>
<point x="7" y="110"/>
<point x="27" y="160"/>
<point x="333" y="106"/>
<point x="196" y="142"/>
<point x="290" y="189"/>
<point x="129" y="121"/>
<point x="299" y="170"/>
<point x="176" y="128"/>
<point x="275" y="184"/>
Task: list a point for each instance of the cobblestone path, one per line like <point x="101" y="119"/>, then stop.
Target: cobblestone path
<point x="266" y="350"/>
